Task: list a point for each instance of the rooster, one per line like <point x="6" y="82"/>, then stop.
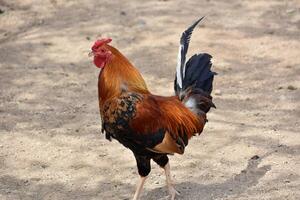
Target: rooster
<point x="153" y="126"/>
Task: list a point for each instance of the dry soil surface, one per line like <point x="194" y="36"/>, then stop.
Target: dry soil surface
<point x="50" y="141"/>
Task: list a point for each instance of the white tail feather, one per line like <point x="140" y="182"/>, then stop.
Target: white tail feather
<point x="178" y="70"/>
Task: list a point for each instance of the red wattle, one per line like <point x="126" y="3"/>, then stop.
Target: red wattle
<point x="99" y="62"/>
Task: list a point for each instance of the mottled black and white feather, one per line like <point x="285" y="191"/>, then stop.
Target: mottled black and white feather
<point x="183" y="49"/>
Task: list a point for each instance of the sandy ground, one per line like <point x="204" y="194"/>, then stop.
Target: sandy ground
<point x="50" y="141"/>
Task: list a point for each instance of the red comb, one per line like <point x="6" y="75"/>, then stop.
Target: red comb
<point x="101" y="42"/>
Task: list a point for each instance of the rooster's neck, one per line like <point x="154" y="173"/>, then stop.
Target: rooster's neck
<point x="119" y="75"/>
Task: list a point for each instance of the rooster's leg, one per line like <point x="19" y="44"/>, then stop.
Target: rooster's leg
<point x="139" y="188"/>
<point x="170" y="186"/>
<point x="144" y="168"/>
<point x="163" y="161"/>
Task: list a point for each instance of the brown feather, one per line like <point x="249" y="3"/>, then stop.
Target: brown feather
<point x="118" y="74"/>
<point x="156" y="112"/>
<point x="168" y="145"/>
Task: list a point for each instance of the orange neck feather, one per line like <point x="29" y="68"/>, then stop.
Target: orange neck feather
<point x="119" y="74"/>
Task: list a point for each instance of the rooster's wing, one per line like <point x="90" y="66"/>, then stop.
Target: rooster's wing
<point x="159" y="124"/>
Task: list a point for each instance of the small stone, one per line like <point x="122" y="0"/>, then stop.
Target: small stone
<point x="87" y="38"/>
<point x="102" y="155"/>
<point x="123" y="13"/>
<point x="290" y="87"/>
<point x="270" y="32"/>
<point x="141" y="23"/>
<point x="44" y="166"/>
<point x="35" y="179"/>
<point x="290" y="11"/>
<point x="279" y="88"/>
<point x="40" y="22"/>
<point x="47" y="43"/>
<point x="26" y="182"/>
<point x="218" y="92"/>
<point x="255" y="157"/>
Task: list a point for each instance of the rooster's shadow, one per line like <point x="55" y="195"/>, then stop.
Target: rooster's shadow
<point x="237" y="184"/>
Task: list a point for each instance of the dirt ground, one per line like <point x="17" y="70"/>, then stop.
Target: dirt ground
<point x="51" y="147"/>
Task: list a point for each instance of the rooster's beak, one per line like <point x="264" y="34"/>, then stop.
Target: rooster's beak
<point x="91" y="54"/>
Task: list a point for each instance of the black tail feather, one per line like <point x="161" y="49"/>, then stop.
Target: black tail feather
<point x="197" y="83"/>
<point x="198" y="72"/>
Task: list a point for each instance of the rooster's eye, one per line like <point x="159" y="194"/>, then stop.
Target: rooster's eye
<point x="100" y="49"/>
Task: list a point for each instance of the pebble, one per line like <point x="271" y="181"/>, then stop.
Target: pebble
<point x="26" y="182"/>
<point x="290" y="11"/>
<point x="35" y="179"/>
<point x="290" y="87"/>
<point x="218" y="92"/>
<point x="255" y="157"/>
<point x="102" y="155"/>
<point x="279" y="88"/>
<point x="141" y="23"/>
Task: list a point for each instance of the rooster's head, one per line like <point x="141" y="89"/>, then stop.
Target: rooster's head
<point x="100" y="52"/>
